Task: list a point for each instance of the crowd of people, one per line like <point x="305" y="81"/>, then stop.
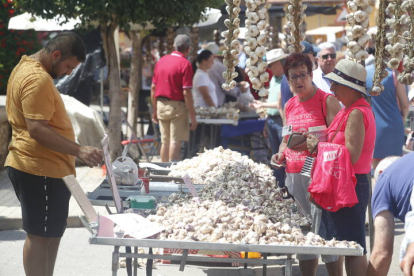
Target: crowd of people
<point x="326" y="134"/>
<point x="318" y="106"/>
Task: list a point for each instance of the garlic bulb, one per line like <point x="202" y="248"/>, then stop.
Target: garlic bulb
<point x="257" y="22"/>
<point x="231" y="43"/>
<point x="295" y="16"/>
<point x="220" y="112"/>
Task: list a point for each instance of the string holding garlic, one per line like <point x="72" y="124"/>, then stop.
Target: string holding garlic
<point x="256" y="23"/>
<point x="231" y="43"/>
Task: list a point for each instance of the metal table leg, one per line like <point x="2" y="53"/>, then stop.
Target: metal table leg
<point x="264" y="265"/>
<point x="135" y="262"/>
<point x="149" y="263"/>
<point x="184" y="259"/>
<point x="128" y="261"/>
<point x="288" y="265"/>
<point x="115" y="259"/>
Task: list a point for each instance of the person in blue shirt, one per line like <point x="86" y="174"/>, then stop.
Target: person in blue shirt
<point x="390" y="199"/>
<point x="274" y="121"/>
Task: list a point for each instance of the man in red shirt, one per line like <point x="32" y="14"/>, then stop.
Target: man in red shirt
<point x="172" y="99"/>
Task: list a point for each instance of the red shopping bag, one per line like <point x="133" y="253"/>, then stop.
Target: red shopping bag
<point x="333" y="180"/>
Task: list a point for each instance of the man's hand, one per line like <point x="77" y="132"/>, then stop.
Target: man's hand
<point x="407" y="263"/>
<point x="256" y="104"/>
<point x="155" y="117"/>
<point x="193" y="125"/>
<point x="91" y="156"/>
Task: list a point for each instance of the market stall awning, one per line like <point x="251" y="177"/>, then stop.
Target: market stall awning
<point x="213" y="16"/>
<point x="26" y="21"/>
<point x="331" y="33"/>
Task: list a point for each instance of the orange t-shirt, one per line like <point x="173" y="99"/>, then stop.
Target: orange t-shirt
<point x="32" y="94"/>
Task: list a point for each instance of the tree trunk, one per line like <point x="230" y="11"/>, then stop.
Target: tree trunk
<point x="135" y="80"/>
<point x="115" y="112"/>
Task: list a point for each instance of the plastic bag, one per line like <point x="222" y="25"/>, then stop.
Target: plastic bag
<point x="125" y="171"/>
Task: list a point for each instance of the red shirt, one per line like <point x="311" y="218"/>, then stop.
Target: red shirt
<point x="363" y="165"/>
<point x="173" y="73"/>
<point x="301" y="116"/>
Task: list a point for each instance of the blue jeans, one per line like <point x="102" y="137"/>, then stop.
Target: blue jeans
<point x="275" y="126"/>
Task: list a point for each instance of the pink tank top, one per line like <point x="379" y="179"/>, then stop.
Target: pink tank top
<point x="301" y="116"/>
<point x="363" y="165"/>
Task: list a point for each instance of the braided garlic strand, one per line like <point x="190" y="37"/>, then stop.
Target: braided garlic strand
<point x="407" y="76"/>
<point x="256" y="23"/>
<point x="295" y="16"/>
<point x="381" y="56"/>
<point x="231" y="43"/>
<point x="358" y="20"/>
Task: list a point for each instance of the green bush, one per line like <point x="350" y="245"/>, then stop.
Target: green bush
<point x="13" y="43"/>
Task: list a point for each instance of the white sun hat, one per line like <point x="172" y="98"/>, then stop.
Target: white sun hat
<point x="351" y="74"/>
<point x="275" y="55"/>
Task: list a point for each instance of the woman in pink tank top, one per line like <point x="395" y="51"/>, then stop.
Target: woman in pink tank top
<point x="310" y="109"/>
<point x="353" y="127"/>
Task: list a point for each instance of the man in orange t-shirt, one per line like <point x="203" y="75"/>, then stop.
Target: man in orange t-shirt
<point x="43" y="148"/>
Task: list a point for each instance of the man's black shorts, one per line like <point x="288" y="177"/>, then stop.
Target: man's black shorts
<point x="44" y="201"/>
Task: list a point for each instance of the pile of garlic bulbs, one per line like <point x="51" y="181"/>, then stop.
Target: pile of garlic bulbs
<point x="235" y="179"/>
<point x="295" y="15"/>
<point x="215" y="222"/>
<point x="407" y="76"/>
<point x="231" y="54"/>
<point x="227" y="111"/>
<point x="255" y="45"/>
<point x="358" y="20"/>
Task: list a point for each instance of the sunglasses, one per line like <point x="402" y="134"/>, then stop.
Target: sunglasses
<point x="328" y="55"/>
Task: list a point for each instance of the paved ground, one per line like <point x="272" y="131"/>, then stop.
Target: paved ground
<point x="78" y="258"/>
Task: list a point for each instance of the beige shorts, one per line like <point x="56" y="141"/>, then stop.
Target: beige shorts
<point x="174" y="121"/>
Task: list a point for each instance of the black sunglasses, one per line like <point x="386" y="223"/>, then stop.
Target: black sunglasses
<point x="328" y="55"/>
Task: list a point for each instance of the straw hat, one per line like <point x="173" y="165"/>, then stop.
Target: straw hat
<point x="212" y="47"/>
<point x="351" y="74"/>
<point x="275" y="55"/>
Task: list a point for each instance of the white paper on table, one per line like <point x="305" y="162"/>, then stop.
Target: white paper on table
<point x="190" y="185"/>
<point x="152" y="166"/>
<point x="132" y="224"/>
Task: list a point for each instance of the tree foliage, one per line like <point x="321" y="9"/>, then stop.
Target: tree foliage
<point x="13" y="44"/>
<point x="110" y="14"/>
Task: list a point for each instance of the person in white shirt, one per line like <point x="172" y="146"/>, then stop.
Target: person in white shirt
<point x="204" y="90"/>
<point x="326" y="63"/>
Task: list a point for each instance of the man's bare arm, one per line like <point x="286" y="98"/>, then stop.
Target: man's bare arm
<point x="40" y="131"/>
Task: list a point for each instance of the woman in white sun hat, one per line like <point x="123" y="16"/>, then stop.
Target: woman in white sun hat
<point x="354" y="127"/>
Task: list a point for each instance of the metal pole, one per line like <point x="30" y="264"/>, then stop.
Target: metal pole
<point x="102" y="91"/>
<point x="115" y="259"/>
<point x="264" y="265"/>
<point x="135" y="261"/>
<point x="246" y="256"/>
<point x="288" y="266"/>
